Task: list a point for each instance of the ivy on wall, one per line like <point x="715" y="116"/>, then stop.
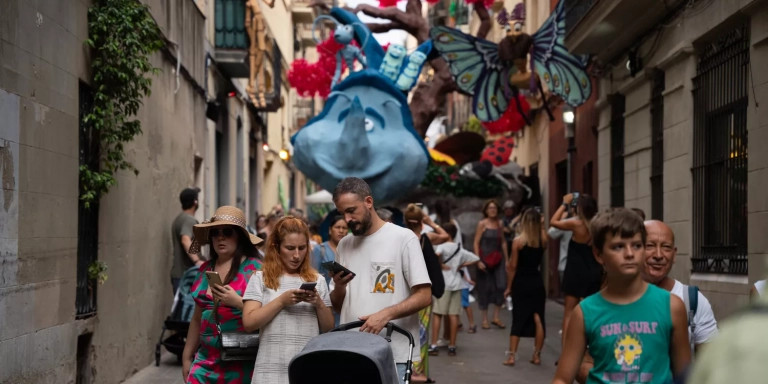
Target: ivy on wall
<point x="122" y="37"/>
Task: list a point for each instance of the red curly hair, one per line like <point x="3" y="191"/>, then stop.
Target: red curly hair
<point x="273" y="267"/>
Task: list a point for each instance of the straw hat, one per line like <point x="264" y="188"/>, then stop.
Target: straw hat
<point x="224" y="215"/>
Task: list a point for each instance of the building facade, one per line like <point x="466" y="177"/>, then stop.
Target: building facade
<point x="680" y="129"/>
<point x="200" y="128"/>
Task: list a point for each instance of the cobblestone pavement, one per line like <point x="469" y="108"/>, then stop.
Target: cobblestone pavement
<point x="478" y="360"/>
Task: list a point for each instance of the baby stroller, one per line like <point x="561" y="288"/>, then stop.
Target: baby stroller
<point x="350" y="357"/>
<point x="181" y="314"/>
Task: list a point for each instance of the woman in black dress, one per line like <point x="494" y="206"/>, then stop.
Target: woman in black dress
<point x="583" y="275"/>
<point x="526" y="285"/>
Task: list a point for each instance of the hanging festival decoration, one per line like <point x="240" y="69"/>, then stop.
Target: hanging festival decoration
<point x="367" y="107"/>
<point x="494" y="73"/>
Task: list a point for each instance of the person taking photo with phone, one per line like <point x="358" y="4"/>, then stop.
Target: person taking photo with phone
<point x="282" y="305"/>
<point x="583" y="275"/>
<point x="233" y="258"/>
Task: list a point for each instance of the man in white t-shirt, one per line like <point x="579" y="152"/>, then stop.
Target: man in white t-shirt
<point x="390" y="281"/>
<point x="660" y="251"/>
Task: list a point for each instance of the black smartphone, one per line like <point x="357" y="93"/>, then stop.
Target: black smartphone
<point x="335" y="268"/>
<point x="309" y="286"/>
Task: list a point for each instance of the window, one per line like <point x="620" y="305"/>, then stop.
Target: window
<point x="617" y="149"/>
<point x="657" y="145"/>
<point x="720" y="155"/>
<point x="87" y="218"/>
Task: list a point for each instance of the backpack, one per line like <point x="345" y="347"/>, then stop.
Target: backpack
<point x="691" y="301"/>
<point x="434" y="269"/>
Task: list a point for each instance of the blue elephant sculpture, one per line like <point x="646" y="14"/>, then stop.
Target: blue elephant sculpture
<point x="365" y="128"/>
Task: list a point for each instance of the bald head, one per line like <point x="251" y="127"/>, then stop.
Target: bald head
<point x="660" y="252"/>
<point x="659" y="226"/>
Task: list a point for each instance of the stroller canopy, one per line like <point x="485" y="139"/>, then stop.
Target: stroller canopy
<point x="344" y="357"/>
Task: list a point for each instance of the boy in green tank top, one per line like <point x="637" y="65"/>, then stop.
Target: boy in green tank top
<point x="636" y="332"/>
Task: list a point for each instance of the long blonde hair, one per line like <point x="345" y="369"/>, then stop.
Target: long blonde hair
<point x="531" y="228"/>
<point x="273" y="267"/>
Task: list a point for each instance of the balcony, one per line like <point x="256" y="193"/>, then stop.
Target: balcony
<point x="304" y="35"/>
<point x="231" y="38"/>
<point x="607" y="28"/>
<point x="302" y="12"/>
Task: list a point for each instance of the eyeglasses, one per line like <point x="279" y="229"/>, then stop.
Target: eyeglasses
<point x="226" y="232"/>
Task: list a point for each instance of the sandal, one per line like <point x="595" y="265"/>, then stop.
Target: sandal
<point x="536" y="359"/>
<point x="485" y="325"/>
<point x="498" y="323"/>
<point x="451" y="351"/>
<point x="472" y="329"/>
<point x="510" y="360"/>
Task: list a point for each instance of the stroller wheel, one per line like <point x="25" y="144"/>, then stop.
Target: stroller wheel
<point x="157" y="355"/>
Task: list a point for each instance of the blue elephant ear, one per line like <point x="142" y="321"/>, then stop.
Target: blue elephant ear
<point x="374" y="54"/>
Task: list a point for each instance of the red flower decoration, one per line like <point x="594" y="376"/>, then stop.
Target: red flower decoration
<point x="315" y="78"/>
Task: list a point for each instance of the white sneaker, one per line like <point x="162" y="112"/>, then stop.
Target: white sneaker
<point x="442" y="343"/>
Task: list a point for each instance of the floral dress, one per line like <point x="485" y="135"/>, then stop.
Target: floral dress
<point x="207" y="366"/>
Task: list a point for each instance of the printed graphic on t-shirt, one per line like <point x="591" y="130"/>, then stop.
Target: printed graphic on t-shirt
<point x="628" y="351"/>
<point x="383" y="278"/>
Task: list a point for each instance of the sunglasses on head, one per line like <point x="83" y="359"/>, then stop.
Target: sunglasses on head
<point x="226" y="232"/>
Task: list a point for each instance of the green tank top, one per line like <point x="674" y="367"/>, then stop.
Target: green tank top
<point x="631" y="342"/>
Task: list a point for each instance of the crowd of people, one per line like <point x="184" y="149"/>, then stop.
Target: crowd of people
<point x="625" y="319"/>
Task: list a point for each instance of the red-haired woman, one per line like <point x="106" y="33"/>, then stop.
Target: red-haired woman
<point x="286" y="315"/>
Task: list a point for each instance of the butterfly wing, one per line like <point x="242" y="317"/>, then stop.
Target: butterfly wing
<point x="564" y="73"/>
<point x="475" y="66"/>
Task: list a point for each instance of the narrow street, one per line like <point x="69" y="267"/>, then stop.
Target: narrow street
<point x="478" y="360"/>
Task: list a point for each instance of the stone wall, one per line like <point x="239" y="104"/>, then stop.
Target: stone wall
<point x="42" y="61"/>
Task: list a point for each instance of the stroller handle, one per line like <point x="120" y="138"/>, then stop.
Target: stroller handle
<point x="390" y="327"/>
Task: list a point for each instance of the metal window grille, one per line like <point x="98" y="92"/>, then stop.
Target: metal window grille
<point x="617" y="149"/>
<point x="657" y="146"/>
<point x="87" y="219"/>
<point x="720" y="155"/>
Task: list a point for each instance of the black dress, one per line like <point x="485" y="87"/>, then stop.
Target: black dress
<point x="528" y="294"/>
<point x="583" y="274"/>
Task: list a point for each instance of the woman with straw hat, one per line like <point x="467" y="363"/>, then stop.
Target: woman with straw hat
<point x="233" y="255"/>
<point x="275" y="303"/>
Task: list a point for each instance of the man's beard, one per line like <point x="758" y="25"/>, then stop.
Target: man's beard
<point x="359" y="228"/>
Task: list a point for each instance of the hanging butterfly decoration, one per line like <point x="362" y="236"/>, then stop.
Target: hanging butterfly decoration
<point x="493" y="73"/>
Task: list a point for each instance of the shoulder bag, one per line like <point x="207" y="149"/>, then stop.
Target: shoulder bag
<point x="434" y="269"/>
<point x="236" y="345"/>
<point x="493" y="258"/>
